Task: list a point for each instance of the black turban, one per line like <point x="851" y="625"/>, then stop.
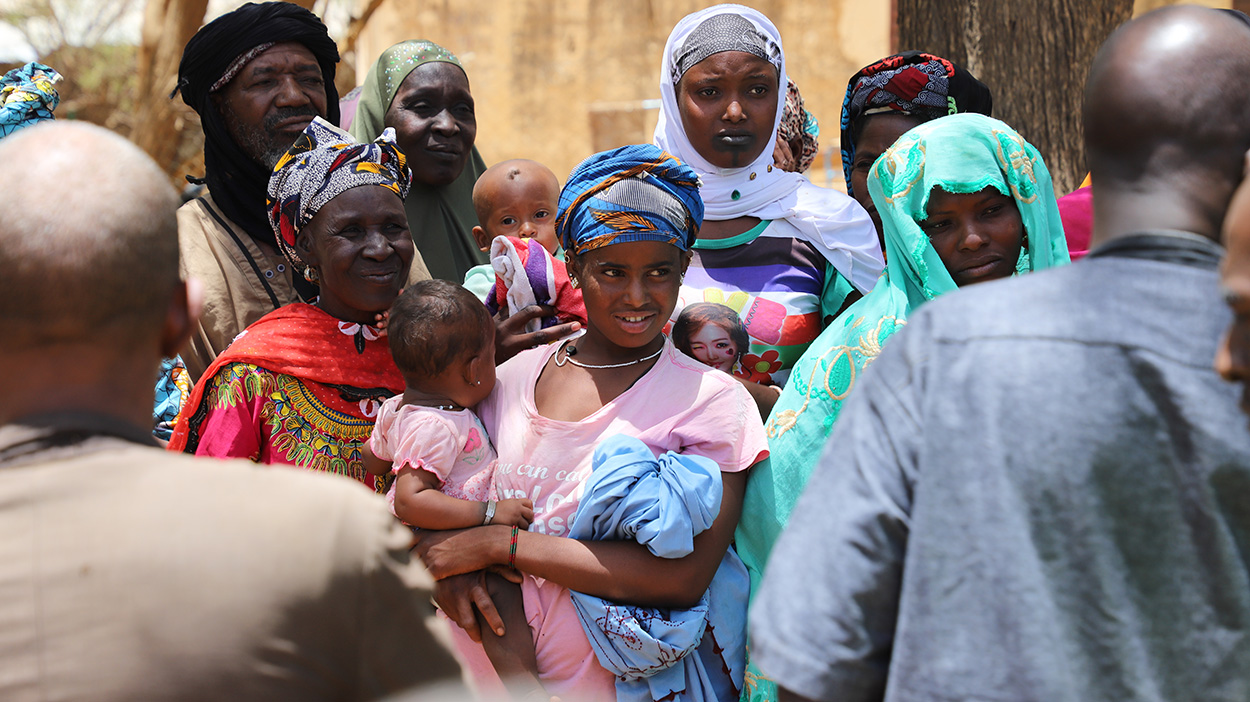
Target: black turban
<point x="238" y="184"/>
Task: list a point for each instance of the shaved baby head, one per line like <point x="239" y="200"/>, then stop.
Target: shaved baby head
<point x="1167" y="98"/>
<point x="88" y="237"/>
<point x="493" y="178"/>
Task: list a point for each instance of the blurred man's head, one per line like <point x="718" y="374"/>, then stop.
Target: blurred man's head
<point x="1163" y="124"/>
<point x="88" y="254"/>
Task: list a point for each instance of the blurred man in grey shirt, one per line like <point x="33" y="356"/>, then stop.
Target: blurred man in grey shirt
<point x="1041" y="488"/>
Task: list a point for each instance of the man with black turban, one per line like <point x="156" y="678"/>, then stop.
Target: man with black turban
<point x="256" y="76"/>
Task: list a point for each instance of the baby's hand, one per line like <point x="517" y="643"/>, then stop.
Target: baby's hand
<point x="515" y="512"/>
<point x="380" y="319"/>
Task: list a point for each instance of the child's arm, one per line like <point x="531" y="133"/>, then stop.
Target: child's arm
<point x="419" y="503"/>
<point x="373" y="464"/>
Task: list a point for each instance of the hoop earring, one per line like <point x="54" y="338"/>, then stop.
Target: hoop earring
<point x="310" y="274"/>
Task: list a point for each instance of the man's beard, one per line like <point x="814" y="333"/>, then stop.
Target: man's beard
<point x="264" y="145"/>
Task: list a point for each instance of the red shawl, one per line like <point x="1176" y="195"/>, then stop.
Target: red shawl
<point x="303" y="341"/>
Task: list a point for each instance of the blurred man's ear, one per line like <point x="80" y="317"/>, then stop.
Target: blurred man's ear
<point x="180" y="317"/>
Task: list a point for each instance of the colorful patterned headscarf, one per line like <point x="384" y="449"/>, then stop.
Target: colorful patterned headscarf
<point x="798" y="123"/>
<point x="323" y="163"/>
<point x="27" y="97"/>
<point x="634" y="193"/>
<point x="910" y="83"/>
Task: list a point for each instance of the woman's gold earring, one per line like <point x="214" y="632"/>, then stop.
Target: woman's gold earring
<point x="310" y="274"/>
<point x="573" y="281"/>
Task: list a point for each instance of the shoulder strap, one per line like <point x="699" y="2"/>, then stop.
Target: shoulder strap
<point x="273" y="298"/>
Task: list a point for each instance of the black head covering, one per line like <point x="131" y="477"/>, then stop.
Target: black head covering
<point x="238" y="183"/>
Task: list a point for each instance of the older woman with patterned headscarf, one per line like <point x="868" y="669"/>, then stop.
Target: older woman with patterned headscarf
<point x="786" y="255"/>
<point x="627" y="220"/>
<point x="302" y="385"/>
<point x="964" y="200"/>
<point x="888" y="97"/>
<point x="420" y="89"/>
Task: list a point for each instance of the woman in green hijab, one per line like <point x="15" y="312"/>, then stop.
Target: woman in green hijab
<point x="421" y="90"/>
<point x="963" y="199"/>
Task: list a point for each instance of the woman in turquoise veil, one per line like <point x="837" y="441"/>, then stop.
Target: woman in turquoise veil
<point x="995" y="173"/>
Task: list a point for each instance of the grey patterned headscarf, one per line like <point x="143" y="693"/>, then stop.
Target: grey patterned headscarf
<point x="727" y="32"/>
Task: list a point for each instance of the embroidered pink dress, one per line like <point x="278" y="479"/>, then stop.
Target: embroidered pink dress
<point x="679" y="405"/>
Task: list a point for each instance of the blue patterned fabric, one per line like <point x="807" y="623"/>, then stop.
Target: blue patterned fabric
<point x="634" y="193"/>
<point x="675" y="654"/>
<point x="27" y="97"/>
<point x="173" y="387"/>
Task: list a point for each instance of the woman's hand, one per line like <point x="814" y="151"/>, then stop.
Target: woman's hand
<point x="783" y="156"/>
<point x="458" y="551"/>
<point x="510" y="335"/>
<point x="459" y="594"/>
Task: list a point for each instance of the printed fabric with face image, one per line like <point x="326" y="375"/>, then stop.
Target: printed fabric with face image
<point x="711" y="333"/>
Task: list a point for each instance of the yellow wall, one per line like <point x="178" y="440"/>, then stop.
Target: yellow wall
<point x="556" y="80"/>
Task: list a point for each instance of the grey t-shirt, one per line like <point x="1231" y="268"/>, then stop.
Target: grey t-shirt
<point x="1040" y="491"/>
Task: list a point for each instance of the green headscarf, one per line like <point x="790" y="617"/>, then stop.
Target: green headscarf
<point x="963" y="153"/>
<point x="441" y="219"/>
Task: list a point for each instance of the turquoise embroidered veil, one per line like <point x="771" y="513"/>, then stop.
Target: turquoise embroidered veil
<point x="963" y="153"/>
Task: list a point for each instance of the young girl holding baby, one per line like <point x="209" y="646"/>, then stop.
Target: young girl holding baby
<point x="628" y="218"/>
<point x="443" y="342"/>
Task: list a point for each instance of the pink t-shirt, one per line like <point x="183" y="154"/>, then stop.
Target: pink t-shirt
<point x="451" y="444"/>
<point x="679" y="405"/>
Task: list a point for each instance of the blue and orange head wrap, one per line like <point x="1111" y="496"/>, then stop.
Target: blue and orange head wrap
<point x="323" y="163"/>
<point x="634" y="193"/>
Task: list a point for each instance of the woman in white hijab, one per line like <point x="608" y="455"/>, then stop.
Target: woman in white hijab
<point x="786" y="255"/>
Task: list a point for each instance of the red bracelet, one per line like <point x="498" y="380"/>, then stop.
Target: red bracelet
<point x="512" y="549"/>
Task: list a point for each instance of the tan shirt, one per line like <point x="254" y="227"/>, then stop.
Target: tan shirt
<point x="130" y="573"/>
<point x="243" y="279"/>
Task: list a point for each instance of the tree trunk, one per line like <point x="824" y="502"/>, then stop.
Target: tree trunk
<point x="1033" y="54"/>
<point x="159" y="122"/>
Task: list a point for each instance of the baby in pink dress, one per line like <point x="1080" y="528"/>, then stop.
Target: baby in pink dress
<point x="443" y="341"/>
